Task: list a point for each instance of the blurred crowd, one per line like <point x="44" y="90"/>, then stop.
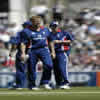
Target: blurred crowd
<point x="86" y="48"/>
<point x="85" y="52"/>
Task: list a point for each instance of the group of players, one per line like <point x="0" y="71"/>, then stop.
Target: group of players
<point x="50" y="45"/>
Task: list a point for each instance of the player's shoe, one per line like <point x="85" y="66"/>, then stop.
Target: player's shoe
<point x="47" y="86"/>
<point x="35" y="88"/>
<point x="14" y="88"/>
<point x="19" y="88"/>
<point x="65" y="87"/>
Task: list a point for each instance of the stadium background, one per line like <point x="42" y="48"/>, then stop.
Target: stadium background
<point x="84" y="67"/>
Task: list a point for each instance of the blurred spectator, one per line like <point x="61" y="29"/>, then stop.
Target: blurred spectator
<point x="5" y="61"/>
<point x="58" y="11"/>
<point x="4" y="53"/>
<point x="92" y="29"/>
<point x="4" y="37"/>
<point x="13" y="28"/>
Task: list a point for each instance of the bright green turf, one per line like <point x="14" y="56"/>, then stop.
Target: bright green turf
<point x="77" y="96"/>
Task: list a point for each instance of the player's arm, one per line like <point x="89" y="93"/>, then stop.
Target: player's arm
<point x="23" y="45"/>
<point x="70" y="37"/>
<point x="23" y="49"/>
<point x="62" y="42"/>
<point x="13" y="47"/>
<point x="53" y="54"/>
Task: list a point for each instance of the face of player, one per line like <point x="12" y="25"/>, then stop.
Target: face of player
<point x="36" y="23"/>
<point x="54" y="29"/>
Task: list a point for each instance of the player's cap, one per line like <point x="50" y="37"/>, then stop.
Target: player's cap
<point x="27" y="23"/>
<point x="54" y="24"/>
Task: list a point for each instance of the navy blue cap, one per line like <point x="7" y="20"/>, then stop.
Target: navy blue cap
<point x="54" y="24"/>
<point x="27" y="23"/>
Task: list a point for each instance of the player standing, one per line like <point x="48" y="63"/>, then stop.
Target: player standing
<point x="60" y="42"/>
<point x="39" y="50"/>
<point x="21" y="43"/>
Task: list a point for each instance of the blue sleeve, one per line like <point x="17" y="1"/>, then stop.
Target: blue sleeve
<point x="27" y="33"/>
<point x="18" y="40"/>
<point x="50" y="38"/>
<point x="12" y="40"/>
<point x="15" y="39"/>
<point x="22" y="37"/>
<point x="69" y="36"/>
<point x="47" y="32"/>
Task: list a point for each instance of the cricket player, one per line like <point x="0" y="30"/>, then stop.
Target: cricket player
<point x="60" y="42"/>
<point x="21" y="43"/>
<point x="39" y="50"/>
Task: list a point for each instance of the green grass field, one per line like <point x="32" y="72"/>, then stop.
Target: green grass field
<point x="75" y="93"/>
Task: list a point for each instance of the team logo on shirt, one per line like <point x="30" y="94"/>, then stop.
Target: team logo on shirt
<point x="43" y="32"/>
<point x="33" y="32"/>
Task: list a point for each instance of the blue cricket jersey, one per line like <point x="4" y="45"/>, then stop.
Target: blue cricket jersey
<point x="21" y="37"/>
<point x="38" y="38"/>
<point x="13" y="40"/>
<point x="61" y="36"/>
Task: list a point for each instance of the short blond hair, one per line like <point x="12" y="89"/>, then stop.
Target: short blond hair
<point x="35" y="18"/>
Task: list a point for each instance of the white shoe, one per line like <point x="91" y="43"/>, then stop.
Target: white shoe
<point x="46" y="86"/>
<point x="64" y="87"/>
<point x="35" y="88"/>
<point x="19" y="88"/>
<point x="11" y="88"/>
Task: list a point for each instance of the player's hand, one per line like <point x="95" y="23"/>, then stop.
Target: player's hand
<point x="57" y="41"/>
<point x="23" y="56"/>
<point x="53" y="55"/>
